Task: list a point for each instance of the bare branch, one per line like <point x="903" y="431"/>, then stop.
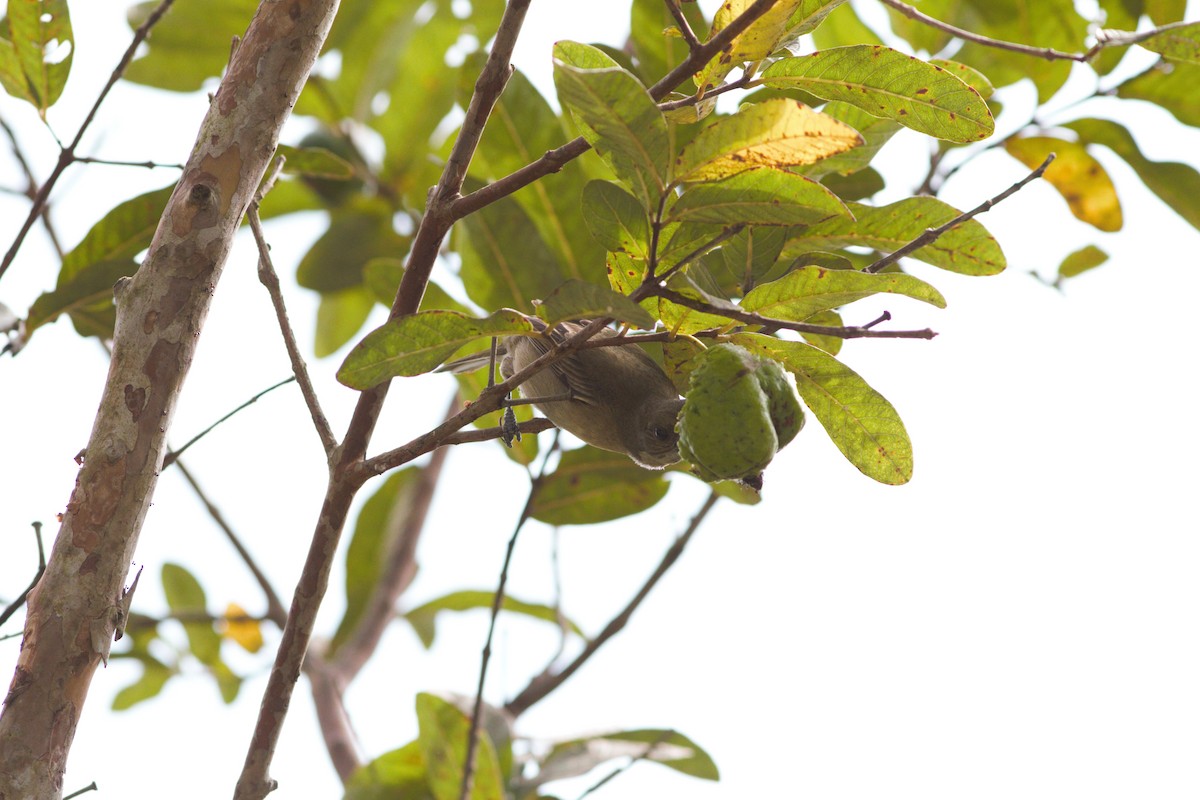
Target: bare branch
<point x="112" y="163"/>
<point x="270" y="279"/>
<point x="1048" y="53"/>
<point x="685" y="28"/>
<point x="933" y="234"/>
<point x="174" y="455"/>
<point x="468" y="778"/>
<point x="548" y="682"/>
<point x="37" y="576"/>
<point x="275" y="609"/>
<point x="66" y="155"/>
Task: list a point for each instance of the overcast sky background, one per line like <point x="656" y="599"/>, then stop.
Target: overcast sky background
<point x="1019" y="620"/>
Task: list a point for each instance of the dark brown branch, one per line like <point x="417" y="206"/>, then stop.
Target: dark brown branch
<point x="547" y="683"/>
<point x="275" y="609"/>
<point x="270" y="279"/>
<point x="536" y="425"/>
<point x="733" y="312"/>
<point x="468" y="778"/>
<point x="37" y="576"/>
<point x="554" y="160"/>
<point x="685" y="28"/>
<point x="1048" y="53"/>
<point x="66" y="155"/>
<point x="399" y="569"/>
<point x="174" y="455"/>
<point x="933" y="234"/>
<point x="346" y="467"/>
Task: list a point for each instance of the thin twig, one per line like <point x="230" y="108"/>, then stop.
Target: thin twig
<point x="1047" y="53"/>
<point x="91" y="787"/>
<point x="685" y="27"/>
<point x="173" y="455"/>
<point x="66" y="155"/>
<point x="733" y="312"/>
<point x="932" y="234"/>
<point x="270" y="279"/>
<point x="20" y="601"/>
<point x="728" y="233"/>
<point x="114" y="163"/>
<point x="31" y="187"/>
<point x="646" y="752"/>
<point x="544" y="685"/>
<point x="276" y="611"/>
<point x="468" y="778"/>
<point x="536" y="425"/>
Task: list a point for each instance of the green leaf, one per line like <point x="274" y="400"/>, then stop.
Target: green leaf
<point x="443" y="731"/>
<point x="617" y="117"/>
<point x="657" y="50"/>
<point x="121" y="234"/>
<point x="1163" y="12"/>
<point x="356" y="234"/>
<point x="592" y="485"/>
<point x="395" y="775"/>
<point x="760" y="196"/>
<point x="967" y="74"/>
<point x="1077" y="175"/>
<point x="810" y="290"/>
<point x="155" y="675"/>
<point x="317" y="162"/>
<point x="616" y="219"/>
<point x="376" y="533"/>
<point x="87" y="296"/>
<point x="662" y="746"/>
<point x="1176" y="184"/>
<point x="422" y="617"/>
<point x="859" y="420"/>
<point x="1179" y="42"/>
<point x="190" y="44"/>
<point x="830" y="344"/>
<point x="228" y="683"/>
<point x="774" y="133"/>
<point x="44" y="46"/>
<point x="745" y="258"/>
<point x="504" y="260"/>
<point x="521" y="128"/>
<point x="968" y="249"/>
<point x="888" y="83"/>
<point x="185" y="597"/>
<point x="418" y="343"/>
<point x="581" y="300"/>
<point x="340" y="316"/>
<point x="841" y="27"/>
<point x="858" y="185"/>
<point x="1081" y="261"/>
<point x="1171" y="85"/>
<point x="918" y="34"/>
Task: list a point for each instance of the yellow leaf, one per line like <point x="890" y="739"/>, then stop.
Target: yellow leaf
<point x="754" y="44"/>
<point x="1077" y="176"/>
<point x="776" y="133"/>
<point x="238" y="626"/>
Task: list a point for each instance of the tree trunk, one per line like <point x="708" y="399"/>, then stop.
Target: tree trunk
<point x="77" y="606"/>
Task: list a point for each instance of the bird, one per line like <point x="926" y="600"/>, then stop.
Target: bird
<point x="615" y="398"/>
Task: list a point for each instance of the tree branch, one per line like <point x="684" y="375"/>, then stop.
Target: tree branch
<point x="346" y="468"/>
<point x="548" y="682"/>
<point x="933" y="234"/>
<point x="270" y="279"/>
<point x="554" y="160"/>
<point x="37" y="576"/>
<point x="1048" y="53"/>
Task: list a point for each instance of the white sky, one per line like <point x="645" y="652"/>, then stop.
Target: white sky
<point x="1019" y="620"/>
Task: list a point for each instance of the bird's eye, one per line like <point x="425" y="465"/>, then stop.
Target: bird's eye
<point x="661" y="433"/>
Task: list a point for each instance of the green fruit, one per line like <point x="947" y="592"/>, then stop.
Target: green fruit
<point x="725" y="427"/>
<point x="786" y="414"/>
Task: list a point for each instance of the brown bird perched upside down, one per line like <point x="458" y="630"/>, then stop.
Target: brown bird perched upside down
<point x="615" y="398"/>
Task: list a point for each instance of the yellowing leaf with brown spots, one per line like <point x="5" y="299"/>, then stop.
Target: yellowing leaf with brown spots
<point x="776" y="133"/>
<point x="754" y="44"/>
<point x="1077" y="176"/>
<point x="888" y="83"/>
